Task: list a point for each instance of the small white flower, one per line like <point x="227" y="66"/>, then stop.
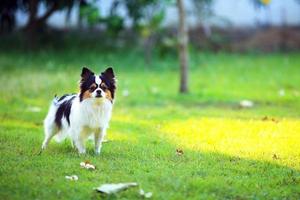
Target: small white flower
<point x="148" y="195"/>
<point x="246" y="104"/>
<point x="34" y="109"/>
<point x="87" y="165"/>
<point x="125" y="93"/>
<point x="72" y="178"/>
<point x="281" y="92"/>
<point x="82" y="164"/>
<point x="90" y="166"/>
<point x="154" y="90"/>
<point x="144" y="194"/>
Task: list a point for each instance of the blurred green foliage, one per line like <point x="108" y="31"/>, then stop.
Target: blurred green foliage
<point x="90" y="12"/>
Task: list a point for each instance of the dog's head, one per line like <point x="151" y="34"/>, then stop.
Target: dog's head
<point x="97" y="86"/>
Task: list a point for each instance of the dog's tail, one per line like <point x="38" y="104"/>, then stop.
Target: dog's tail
<point x="59" y="136"/>
<point x="55" y="100"/>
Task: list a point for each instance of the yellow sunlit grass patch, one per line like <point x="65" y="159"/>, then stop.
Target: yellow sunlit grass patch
<point x="255" y="139"/>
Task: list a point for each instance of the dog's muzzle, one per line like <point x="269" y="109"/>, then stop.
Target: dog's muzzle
<point x="98" y="93"/>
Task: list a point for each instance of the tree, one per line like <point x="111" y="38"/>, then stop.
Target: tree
<point x="203" y="10"/>
<point x="114" y="22"/>
<point x="137" y="9"/>
<point x="150" y="27"/>
<point x="7" y="15"/>
<point x="147" y="17"/>
<point x="183" y="47"/>
<point x="36" y="22"/>
<point x="90" y="12"/>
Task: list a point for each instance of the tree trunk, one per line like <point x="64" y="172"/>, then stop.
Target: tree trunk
<point x="36" y="23"/>
<point x="68" y="16"/>
<point x="183" y="48"/>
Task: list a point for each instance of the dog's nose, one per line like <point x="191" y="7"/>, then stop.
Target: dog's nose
<point x="98" y="92"/>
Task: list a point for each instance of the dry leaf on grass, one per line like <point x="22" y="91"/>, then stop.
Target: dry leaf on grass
<point x="270" y="119"/>
<point x="114" y="187"/>
<point x="87" y="165"/>
<point x="274" y="120"/>
<point x="72" y="178"/>
<point x="179" y="152"/>
<point x="265" y="118"/>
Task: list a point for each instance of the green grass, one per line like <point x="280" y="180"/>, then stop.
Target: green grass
<point x="229" y="152"/>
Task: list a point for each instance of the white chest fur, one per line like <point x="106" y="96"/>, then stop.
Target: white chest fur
<point x="91" y="113"/>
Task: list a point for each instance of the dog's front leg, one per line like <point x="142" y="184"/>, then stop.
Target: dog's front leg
<point x="99" y="135"/>
<point x="79" y="141"/>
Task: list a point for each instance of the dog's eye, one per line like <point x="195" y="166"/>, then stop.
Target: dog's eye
<point x="92" y="88"/>
<point x="104" y="87"/>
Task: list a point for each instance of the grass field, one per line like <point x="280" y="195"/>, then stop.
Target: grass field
<point x="228" y="152"/>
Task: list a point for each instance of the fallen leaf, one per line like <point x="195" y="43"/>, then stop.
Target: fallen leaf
<point x="179" y="152"/>
<point x="274" y="120"/>
<point x="72" y="177"/>
<point x="87" y="165"/>
<point x="114" y="187"/>
<point x="235" y="159"/>
<point x="147" y="195"/>
<point x="269" y="119"/>
<point x="265" y="118"/>
<point x="275" y="157"/>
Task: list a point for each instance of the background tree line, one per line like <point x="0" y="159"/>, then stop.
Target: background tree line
<point x="146" y="17"/>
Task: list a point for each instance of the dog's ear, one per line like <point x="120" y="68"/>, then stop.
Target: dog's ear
<point x="108" y="77"/>
<point x="109" y="73"/>
<point x="86" y="72"/>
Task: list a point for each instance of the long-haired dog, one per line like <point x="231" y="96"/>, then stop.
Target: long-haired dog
<point x="85" y="114"/>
